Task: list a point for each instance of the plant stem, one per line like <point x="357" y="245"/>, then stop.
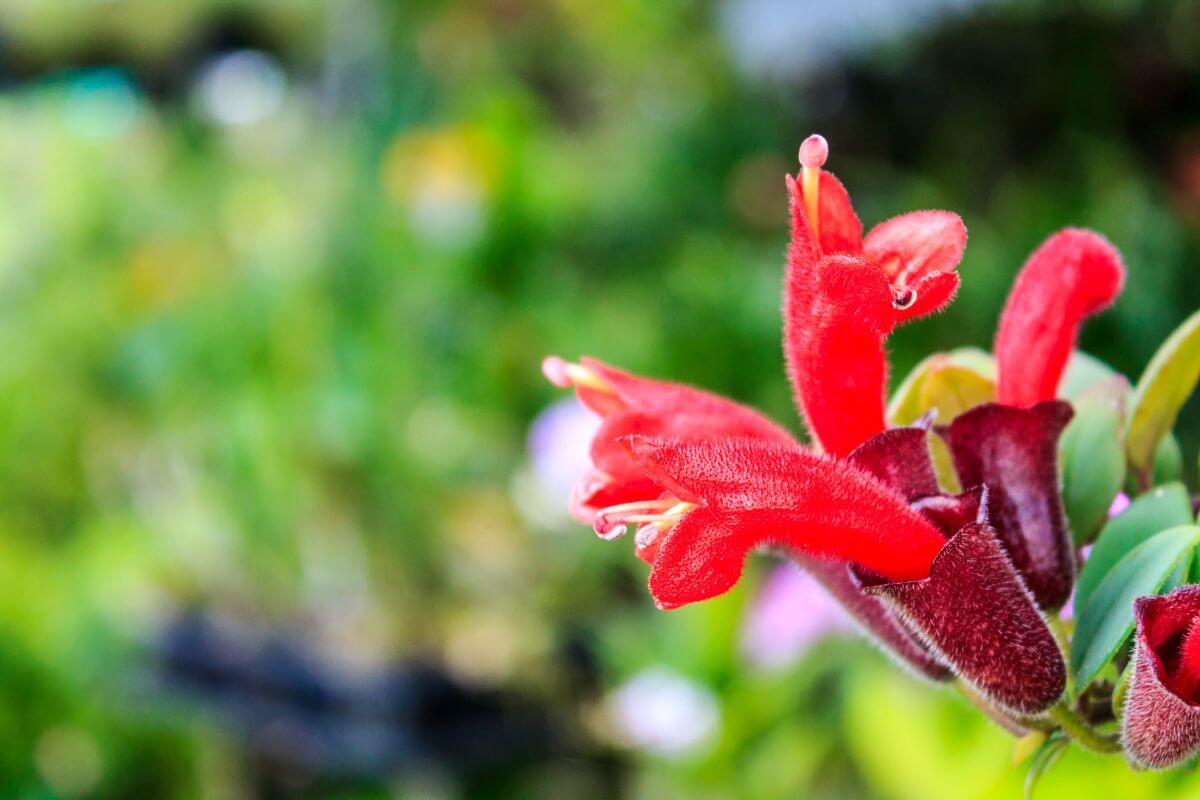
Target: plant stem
<point x="1084" y="734"/>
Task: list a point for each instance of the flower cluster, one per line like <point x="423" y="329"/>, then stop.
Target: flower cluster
<point x="950" y="531"/>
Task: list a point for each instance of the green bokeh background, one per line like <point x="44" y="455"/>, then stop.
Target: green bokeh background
<point x="283" y="371"/>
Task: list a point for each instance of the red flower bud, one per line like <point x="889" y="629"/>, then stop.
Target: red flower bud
<point x="1075" y="273"/>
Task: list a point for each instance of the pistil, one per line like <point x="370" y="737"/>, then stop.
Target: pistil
<point x="813" y="153"/>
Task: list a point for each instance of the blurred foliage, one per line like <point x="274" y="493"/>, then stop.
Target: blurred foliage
<point x="277" y="361"/>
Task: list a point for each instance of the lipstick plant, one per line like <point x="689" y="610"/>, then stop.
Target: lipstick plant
<point x="955" y="521"/>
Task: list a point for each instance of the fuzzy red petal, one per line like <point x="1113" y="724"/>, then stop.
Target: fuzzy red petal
<point x="976" y="615"/>
<point x="643" y="407"/>
<point x="840" y="231"/>
<point x="750" y="493"/>
<point x="1073" y="274"/>
<point x="913" y="246"/>
<point x="934" y="292"/>
<point x="1160" y="727"/>
<point x="834" y="350"/>
<point x="1014" y="453"/>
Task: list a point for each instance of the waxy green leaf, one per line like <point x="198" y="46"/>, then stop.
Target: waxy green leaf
<point x="1164" y="507"/>
<point x="949" y="383"/>
<point x="1083" y="372"/>
<point x="1164" y="386"/>
<point x="908" y="403"/>
<point x="1092" y="455"/>
<point x="1106" y="619"/>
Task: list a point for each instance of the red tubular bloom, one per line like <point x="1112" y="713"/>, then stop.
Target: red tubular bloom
<point x="1075" y="273"/>
<point x="1014" y="453"/>
<point x="1161" y="725"/>
<point x="844" y="294"/>
<point x="631" y="405"/>
<point x="744" y="493"/>
<point x="835" y="352"/>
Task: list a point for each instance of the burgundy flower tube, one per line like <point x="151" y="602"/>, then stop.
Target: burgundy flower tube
<point x="1162" y="709"/>
<point x="1014" y="453"/>
<point x="975" y="614"/>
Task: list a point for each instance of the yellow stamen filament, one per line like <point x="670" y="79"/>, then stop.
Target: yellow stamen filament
<point x="661" y="521"/>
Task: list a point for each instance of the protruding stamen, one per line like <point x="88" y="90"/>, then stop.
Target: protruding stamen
<point x="564" y="374"/>
<point x="647" y="535"/>
<point x="903" y="297"/>
<point x="813" y="153"/>
<point x="611" y="522"/>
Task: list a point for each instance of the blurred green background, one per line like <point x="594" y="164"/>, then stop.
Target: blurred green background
<point x="275" y="282"/>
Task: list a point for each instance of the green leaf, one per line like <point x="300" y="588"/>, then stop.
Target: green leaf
<point x="1046" y="757"/>
<point x="1164" y="386"/>
<point x="1107" y="618"/>
<point x="1164" y="507"/>
<point x="1168" y="461"/>
<point x="1084" y="372"/>
<point x="1179" y="575"/>
<point x="1092" y="455"/>
<point x="912" y="399"/>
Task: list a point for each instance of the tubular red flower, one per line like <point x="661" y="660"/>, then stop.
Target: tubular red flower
<point x="1014" y="453"/>
<point x="844" y="295"/>
<point x="1075" y="273"/>
<point x="631" y="405"/>
<point x="834" y="350"/>
<point x="745" y="493"/>
<point x="1161" y="725"/>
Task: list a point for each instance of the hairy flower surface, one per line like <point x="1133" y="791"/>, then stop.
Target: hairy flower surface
<point x="845" y="294"/>
<point x="1162" y="709"/>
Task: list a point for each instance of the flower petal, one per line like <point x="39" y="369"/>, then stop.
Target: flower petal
<point x="834" y="350"/>
<point x="934" y="292"/>
<point x="976" y="615"/>
<point x="643" y="407"/>
<point x="840" y="231"/>
<point x="1014" y="453"/>
<point x="1160" y="728"/>
<point x="1073" y="274"/>
<point x="751" y="492"/>
<point x="915" y="245"/>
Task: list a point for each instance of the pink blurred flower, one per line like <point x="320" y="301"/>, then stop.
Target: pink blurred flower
<point x="790" y="613"/>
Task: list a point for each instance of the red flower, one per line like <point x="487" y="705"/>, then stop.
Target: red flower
<point x="1162" y="708"/>
<point x="734" y="495"/>
<point x="846" y="293"/>
<point x="1073" y="274"/>
<point x="631" y="405"/>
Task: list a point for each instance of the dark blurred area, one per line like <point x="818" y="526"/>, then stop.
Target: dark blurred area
<point x="282" y="490"/>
